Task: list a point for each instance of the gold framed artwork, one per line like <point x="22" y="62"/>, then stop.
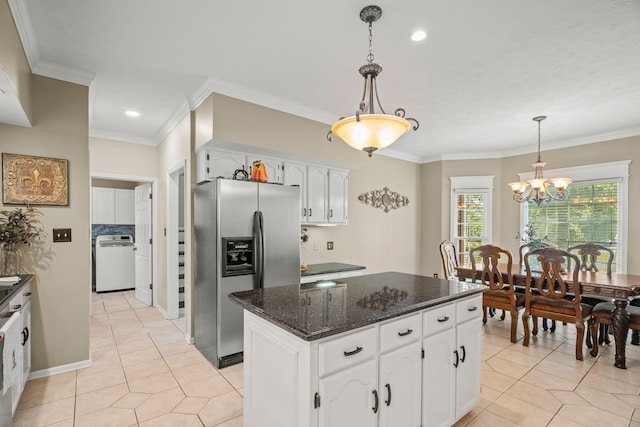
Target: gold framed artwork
<point x="31" y="180"/>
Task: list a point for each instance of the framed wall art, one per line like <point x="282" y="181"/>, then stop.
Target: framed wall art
<point x="31" y="180"/>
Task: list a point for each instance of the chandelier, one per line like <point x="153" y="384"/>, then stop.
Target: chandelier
<point x="537" y="189"/>
<point x="367" y="130"/>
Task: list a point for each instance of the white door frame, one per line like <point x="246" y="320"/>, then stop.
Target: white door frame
<point x="154" y="219"/>
<point x="173" y="205"/>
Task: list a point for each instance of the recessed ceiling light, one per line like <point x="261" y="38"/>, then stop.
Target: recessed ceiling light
<point x="132" y="113"/>
<point x="418" y="35"/>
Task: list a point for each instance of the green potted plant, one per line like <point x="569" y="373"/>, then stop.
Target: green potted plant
<point x="18" y="228"/>
<point x="531" y="238"/>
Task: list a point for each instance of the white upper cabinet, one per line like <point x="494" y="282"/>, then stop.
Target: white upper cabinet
<point x="296" y="174"/>
<point x="211" y="164"/>
<point x="273" y="167"/>
<point x="112" y="206"/>
<point x="338" y="190"/>
<point x="317" y="195"/>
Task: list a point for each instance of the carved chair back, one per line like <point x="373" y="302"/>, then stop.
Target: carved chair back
<point x="550" y="284"/>
<point x="449" y="259"/>
<point x="490" y="274"/>
<point x="589" y="254"/>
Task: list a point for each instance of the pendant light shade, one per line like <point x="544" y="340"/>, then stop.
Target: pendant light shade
<point x="367" y="130"/>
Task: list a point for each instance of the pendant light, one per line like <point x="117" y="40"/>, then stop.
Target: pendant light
<point x="367" y="130"/>
<point x="538" y="187"/>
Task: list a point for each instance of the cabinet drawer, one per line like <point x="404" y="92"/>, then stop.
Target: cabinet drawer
<point x="439" y="319"/>
<point x="339" y="353"/>
<point x="400" y="332"/>
<point x="469" y="308"/>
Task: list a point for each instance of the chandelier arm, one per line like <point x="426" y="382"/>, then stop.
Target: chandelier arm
<point x="523" y="197"/>
<point x="416" y="124"/>
<point x="374" y="84"/>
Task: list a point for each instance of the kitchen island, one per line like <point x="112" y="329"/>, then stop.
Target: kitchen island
<point x="388" y="349"/>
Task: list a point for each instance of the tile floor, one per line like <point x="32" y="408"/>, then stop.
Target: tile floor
<point x="144" y="374"/>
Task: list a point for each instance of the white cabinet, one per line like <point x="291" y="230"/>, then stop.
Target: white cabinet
<point x="338" y="190"/>
<point x="112" y="206"/>
<point x="317" y="195"/>
<point x="296" y="174"/>
<point x="399" y="386"/>
<point x="211" y="164"/>
<point x="273" y="167"/>
<point x="22" y="303"/>
<point x="452" y="361"/>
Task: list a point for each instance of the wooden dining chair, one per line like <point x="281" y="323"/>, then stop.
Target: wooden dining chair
<point x="546" y="295"/>
<point x="602" y="315"/>
<point x="522" y="250"/>
<point x="449" y="259"/>
<point x="589" y="254"/>
<point x="501" y="294"/>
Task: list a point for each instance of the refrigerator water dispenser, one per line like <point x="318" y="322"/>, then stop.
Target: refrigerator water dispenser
<point x="237" y="257"/>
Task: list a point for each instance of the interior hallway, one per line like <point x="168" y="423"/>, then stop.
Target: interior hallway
<point x="144" y="374"/>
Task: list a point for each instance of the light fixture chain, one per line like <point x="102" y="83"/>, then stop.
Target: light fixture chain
<point x="370" y="55"/>
<point x="539" y="160"/>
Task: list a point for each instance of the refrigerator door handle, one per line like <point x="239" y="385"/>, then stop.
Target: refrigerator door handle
<point x="259" y="248"/>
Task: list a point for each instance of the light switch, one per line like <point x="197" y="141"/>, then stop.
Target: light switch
<point x="61" y="235"/>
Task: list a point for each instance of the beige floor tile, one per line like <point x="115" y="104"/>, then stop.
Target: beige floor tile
<point x="154" y="383"/>
<point x="487" y="397"/>
<point x="109" y="417"/>
<point x="65" y="423"/>
<point x="100" y="399"/>
<point x="131" y="400"/>
<point x="496" y="381"/>
<point x="139" y="356"/>
<point x="569" y="397"/>
<point x="508" y="367"/>
<point x="52" y="381"/>
<point x="550" y="382"/>
<point x="536" y="396"/>
<point x="142" y="343"/>
<point x="521" y="412"/>
<point x="88" y="383"/>
<point x="489" y="419"/>
<point x="195" y="372"/>
<point x="175" y="347"/>
<point x="191" y="405"/>
<point x="173" y="420"/>
<point x="184" y="359"/>
<point x="561" y="370"/>
<point x="609" y="385"/>
<point x="120" y="315"/>
<point x="207" y="387"/>
<point x="44" y="415"/>
<point x="234" y="422"/>
<point x="591" y="417"/>
<point x="159" y="404"/>
<point x="221" y="408"/>
<point x="101" y="341"/>
<point x="235" y="375"/>
<point x="624" y="375"/>
<point x="523" y="358"/>
<point x="560" y="421"/>
<point x="145" y="369"/>
<point x="603" y="400"/>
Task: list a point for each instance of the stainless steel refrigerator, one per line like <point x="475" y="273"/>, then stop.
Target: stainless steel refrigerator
<point x="247" y="236"/>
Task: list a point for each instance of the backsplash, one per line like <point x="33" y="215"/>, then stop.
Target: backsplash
<point x="99" y="229"/>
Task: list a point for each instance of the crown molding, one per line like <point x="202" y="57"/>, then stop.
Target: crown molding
<point x="25" y="31"/>
<point x="172" y="122"/>
<point x="60" y="72"/>
<point x="103" y="134"/>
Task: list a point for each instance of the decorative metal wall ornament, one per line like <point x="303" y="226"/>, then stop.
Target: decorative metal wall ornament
<point x="384" y="199"/>
<point x="34" y="180"/>
<point x="367" y="130"/>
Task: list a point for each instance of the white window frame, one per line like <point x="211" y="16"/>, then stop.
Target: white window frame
<point x="472" y="184"/>
<point x="586" y="174"/>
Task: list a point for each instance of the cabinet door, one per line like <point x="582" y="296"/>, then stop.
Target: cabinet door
<point x="125" y="207"/>
<point x="273" y="167"/>
<point x="317" y="194"/>
<point x="347" y="397"/>
<point x="338" y="190"/>
<point x="103" y="202"/>
<point x="225" y="163"/>
<point x="26" y="347"/>
<point x="399" y="387"/>
<point x="468" y="372"/>
<point x="296" y="174"/>
<point x="439" y="380"/>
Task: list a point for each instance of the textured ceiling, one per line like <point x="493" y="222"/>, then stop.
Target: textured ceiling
<point x="486" y="68"/>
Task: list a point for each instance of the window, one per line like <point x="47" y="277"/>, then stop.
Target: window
<point x="593" y="212"/>
<point x="471" y="198"/>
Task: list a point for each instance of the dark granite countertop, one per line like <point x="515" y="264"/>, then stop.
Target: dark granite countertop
<point x="355" y="302"/>
<point x="7" y="292"/>
<point x="329" y="267"/>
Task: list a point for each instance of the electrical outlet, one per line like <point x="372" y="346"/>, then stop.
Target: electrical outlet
<point x="315" y="246"/>
<point x="61" y="235"/>
<point x="329" y="246"/>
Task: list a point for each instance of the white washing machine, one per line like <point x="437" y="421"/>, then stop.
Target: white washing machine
<point x="115" y="263"/>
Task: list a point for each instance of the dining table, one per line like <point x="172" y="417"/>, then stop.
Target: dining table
<point x="618" y="287"/>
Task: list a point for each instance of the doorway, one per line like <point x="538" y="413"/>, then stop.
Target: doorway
<point x="176" y="248"/>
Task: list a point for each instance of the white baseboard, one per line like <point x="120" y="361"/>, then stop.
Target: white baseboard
<point x="189" y="339"/>
<point x="60" y="369"/>
<point x="161" y="310"/>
